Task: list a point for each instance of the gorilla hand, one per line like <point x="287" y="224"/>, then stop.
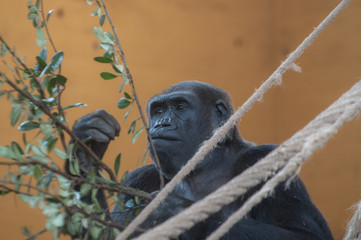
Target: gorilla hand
<point x="97" y="129"/>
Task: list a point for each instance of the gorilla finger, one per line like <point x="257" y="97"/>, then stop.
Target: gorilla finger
<point x="110" y="119"/>
<point x="97" y="136"/>
<point x="104" y="127"/>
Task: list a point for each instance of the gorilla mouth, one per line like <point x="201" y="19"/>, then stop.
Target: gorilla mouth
<point x="164" y="137"/>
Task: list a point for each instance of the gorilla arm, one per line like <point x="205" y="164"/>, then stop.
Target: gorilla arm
<point x="287" y="214"/>
<point x="97" y="129"/>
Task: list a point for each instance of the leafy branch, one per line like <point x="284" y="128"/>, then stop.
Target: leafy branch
<point x="47" y="111"/>
<point x="107" y="43"/>
<point x="35" y="95"/>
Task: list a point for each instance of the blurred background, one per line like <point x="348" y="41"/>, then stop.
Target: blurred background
<point x="232" y="44"/>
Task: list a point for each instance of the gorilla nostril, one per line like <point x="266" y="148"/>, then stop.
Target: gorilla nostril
<point x="163" y="122"/>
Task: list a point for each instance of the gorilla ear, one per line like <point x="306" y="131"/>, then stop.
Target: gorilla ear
<point x="221" y="111"/>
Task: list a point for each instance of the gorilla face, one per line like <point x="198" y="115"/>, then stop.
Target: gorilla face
<point x="178" y="125"/>
<point x="182" y="118"/>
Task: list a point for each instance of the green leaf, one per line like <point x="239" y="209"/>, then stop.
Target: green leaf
<point x="107" y="75"/>
<point x="89" y="2"/>
<point x="94" y="198"/>
<point x="54" y="63"/>
<point x="40" y="65"/>
<point x="16" y="148"/>
<point x="74" y="167"/>
<point x="15" y="114"/>
<point x="136" y="135"/>
<point x="130" y="203"/>
<point x="45" y="82"/>
<point x="125" y="175"/>
<point x="32" y="15"/>
<point x="58" y="221"/>
<point x="41" y="61"/>
<point x="92" y="174"/>
<point x="126" y="115"/>
<point x="118" y="68"/>
<point x="95" y="232"/>
<point x="43" y="54"/>
<point x="28" y="125"/>
<point x="6" y="152"/>
<point x="144" y="158"/>
<point x="127" y="96"/>
<point x="102" y="36"/>
<point x="60" y="153"/>
<point x="75" y="105"/>
<point x="49" y="14"/>
<point x="64" y="183"/>
<point x="37" y="172"/>
<point x="117" y="164"/>
<point x="101" y="20"/>
<point x="51" y="144"/>
<point x="25" y="231"/>
<point x="46" y="129"/>
<point x="32" y="200"/>
<point x="121" y="86"/>
<point x="4" y="50"/>
<point x="85" y="189"/>
<point x="58" y="79"/>
<point x="123" y="103"/>
<point x="4" y="192"/>
<point x="103" y="60"/>
<point x="137" y="200"/>
<point x="132" y="126"/>
<point x="41" y="42"/>
<point x="40" y="33"/>
<point x="96" y="12"/>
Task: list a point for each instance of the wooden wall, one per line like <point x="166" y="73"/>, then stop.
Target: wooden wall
<point x="233" y="44"/>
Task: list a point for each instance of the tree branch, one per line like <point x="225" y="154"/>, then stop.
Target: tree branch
<point x="60" y="108"/>
<point x="129" y="76"/>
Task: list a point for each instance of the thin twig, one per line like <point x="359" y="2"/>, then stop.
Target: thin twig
<point x="46" y="25"/>
<point x="60" y="108"/>
<point x="33" y="236"/>
<point x="119" y="188"/>
<point x="14" y="190"/>
<point x="73" y="209"/>
<point x="129" y="76"/>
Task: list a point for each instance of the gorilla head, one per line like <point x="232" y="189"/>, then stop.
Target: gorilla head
<point x="182" y="117"/>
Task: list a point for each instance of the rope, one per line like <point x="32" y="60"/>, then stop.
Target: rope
<point x="354" y="226"/>
<point x="299" y="147"/>
<point x="314" y="138"/>
<point x="208" y="145"/>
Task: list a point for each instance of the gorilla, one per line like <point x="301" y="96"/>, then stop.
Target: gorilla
<point x="181" y="118"/>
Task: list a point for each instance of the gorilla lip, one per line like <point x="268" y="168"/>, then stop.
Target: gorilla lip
<point x="162" y="137"/>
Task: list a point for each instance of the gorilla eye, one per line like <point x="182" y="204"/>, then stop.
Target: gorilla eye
<point x="181" y="107"/>
<point x="158" y="111"/>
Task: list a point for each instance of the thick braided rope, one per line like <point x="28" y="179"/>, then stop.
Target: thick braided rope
<point x="292" y="152"/>
<point x="208" y="145"/>
<point x="354" y="226"/>
<point x="312" y="137"/>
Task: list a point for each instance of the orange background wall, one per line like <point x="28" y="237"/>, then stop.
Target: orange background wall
<point x="233" y="44"/>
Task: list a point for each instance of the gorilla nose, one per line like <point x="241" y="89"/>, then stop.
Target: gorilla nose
<point x="163" y="122"/>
